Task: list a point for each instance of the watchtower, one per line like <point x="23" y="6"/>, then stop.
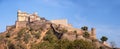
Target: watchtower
<point x="93" y="33"/>
<point x="21" y="19"/>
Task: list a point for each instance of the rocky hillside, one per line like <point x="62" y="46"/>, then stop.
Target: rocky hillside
<point x="46" y="35"/>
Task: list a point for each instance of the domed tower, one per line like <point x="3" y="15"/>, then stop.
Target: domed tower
<point x="93" y="33"/>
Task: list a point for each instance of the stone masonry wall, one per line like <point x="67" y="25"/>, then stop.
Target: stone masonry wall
<point x="21" y="24"/>
<point x="60" y="21"/>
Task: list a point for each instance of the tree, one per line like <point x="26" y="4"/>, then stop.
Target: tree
<point x="63" y="44"/>
<point x="43" y="45"/>
<point x="50" y="37"/>
<point x="86" y="35"/>
<point x="81" y="44"/>
<point x="104" y="38"/>
<point x="85" y="28"/>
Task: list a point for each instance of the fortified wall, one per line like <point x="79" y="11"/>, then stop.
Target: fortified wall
<point x="64" y="24"/>
<point x="24" y="18"/>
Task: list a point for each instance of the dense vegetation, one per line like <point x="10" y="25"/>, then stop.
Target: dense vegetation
<point x="28" y="38"/>
<point x="51" y="42"/>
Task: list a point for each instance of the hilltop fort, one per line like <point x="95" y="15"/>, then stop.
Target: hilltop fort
<point x="23" y="19"/>
<point x="30" y="29"/>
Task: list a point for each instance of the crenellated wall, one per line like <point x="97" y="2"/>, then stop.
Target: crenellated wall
<point x="23" y="18"/>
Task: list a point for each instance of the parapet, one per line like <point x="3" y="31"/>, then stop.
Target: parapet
<point x="60" y="21"/>
<point x="23" y="18"/>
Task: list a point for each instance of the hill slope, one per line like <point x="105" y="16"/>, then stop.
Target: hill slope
<point x="44" y="35"/>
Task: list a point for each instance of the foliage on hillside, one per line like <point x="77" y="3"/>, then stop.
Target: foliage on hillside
<point x="51" y="42"/>
<point x="29" y="37"/>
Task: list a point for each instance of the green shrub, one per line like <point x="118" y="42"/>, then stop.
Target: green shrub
<point x="62" y="44"/>
<point x="104" y="38"/>
<point x="86" y="35"/>
<point x="20" y="33"/>
<point x="81" y="44"/>
<point x="50" y="37"/>
<point x="26" y="38"/>
<point x="11" y="46"/>
<point x="85" y="28"/>
<point x="44" y="45"/>
<point x="51" y="42"/>
<point x="37" y="35"/>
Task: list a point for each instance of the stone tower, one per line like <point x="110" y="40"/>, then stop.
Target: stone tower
<point x="21" y="19"/>
<point x="93" y="33"/>
<point x="22" y="16"/>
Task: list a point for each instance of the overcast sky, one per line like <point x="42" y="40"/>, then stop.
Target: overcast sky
<point x="104" y="15"/>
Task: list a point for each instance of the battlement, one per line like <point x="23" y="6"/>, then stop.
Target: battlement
<point x="23" y="18"/>
<point x="61" y="22"/>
